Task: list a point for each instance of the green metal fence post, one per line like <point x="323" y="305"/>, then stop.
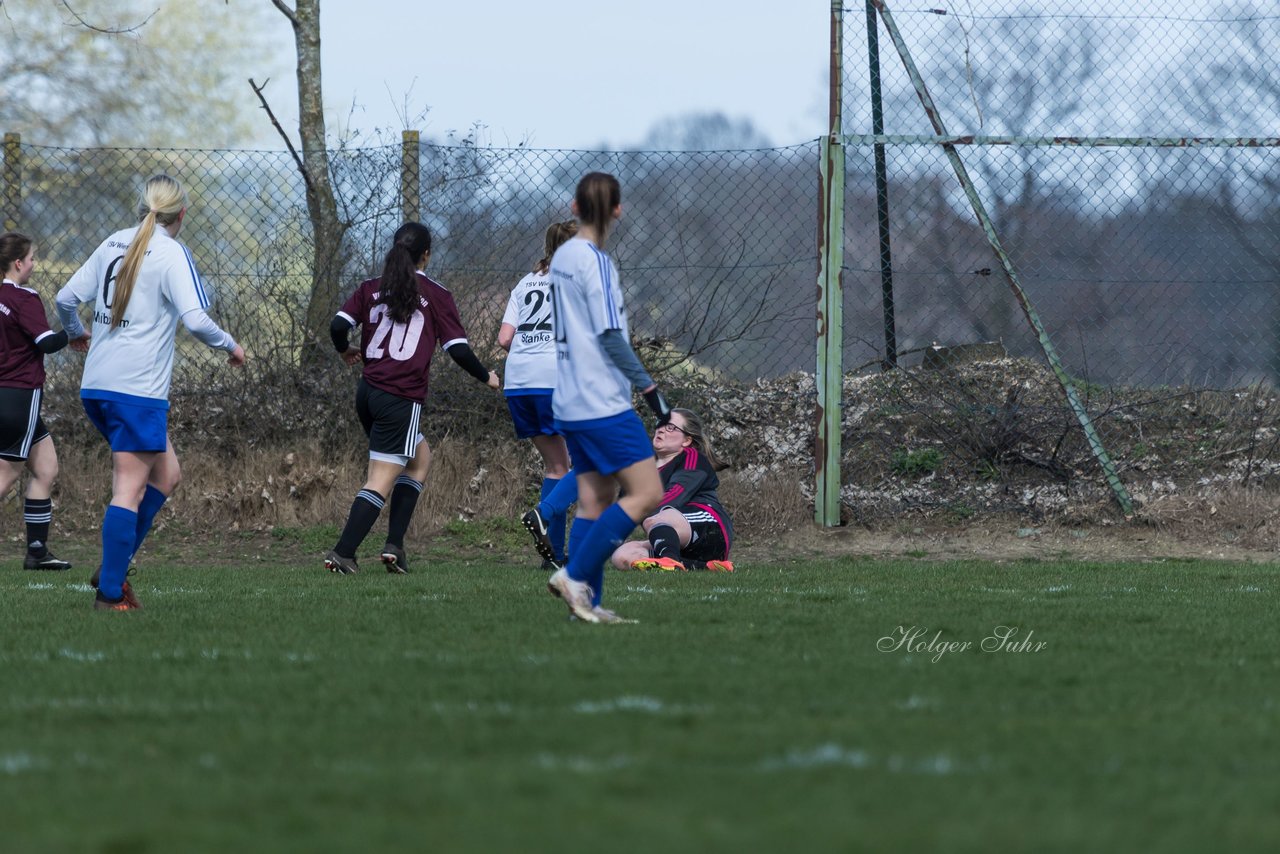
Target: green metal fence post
<point x="887" y="307"/>
<point x="830" y="369"/>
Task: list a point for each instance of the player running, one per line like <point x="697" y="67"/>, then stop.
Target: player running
<point x="25" y="339"/>
<point x="141" y="281"/>
<point x="530" y="376"/>
<point x="596" y="372"/>
<point x="402" y="315"/>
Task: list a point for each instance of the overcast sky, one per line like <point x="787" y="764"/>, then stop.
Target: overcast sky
<point x="561" y="75"/>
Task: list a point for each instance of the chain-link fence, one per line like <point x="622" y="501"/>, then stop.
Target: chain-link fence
<point x="716" y="251"/>
<point x="1109" y="154"/>
<point x="1106" y="155"/>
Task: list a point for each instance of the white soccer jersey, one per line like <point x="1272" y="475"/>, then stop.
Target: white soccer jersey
<point x="531" y="363"/>
<point x="135" y="360"/>
<point x="587" y="295"/>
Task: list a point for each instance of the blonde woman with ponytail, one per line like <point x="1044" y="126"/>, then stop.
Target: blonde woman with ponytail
<point x="141" y="282"/>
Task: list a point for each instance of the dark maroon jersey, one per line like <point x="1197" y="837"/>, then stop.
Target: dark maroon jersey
<point x="22" y="324"/>
<point x="397" y="356"/>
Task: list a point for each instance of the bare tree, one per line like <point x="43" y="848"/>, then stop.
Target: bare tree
<point x="328" y="230"/>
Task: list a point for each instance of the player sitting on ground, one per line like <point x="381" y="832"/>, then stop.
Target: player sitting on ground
<point x="691" y="530"/>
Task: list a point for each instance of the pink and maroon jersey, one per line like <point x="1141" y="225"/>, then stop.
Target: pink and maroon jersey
<point x="397" y="356"/>
<point x="22" y="324"/>
<point x="690" y="481"/>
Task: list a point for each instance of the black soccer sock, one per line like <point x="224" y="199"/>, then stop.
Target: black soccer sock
<point x="364" y="512"/>
<point x="404" y="498"/>
<point x="664" y="541"/>
<point x="37" y="513"/>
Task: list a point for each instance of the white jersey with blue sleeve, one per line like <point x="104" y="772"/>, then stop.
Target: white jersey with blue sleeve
<point x="531" y="364"/>
<point x="587" y="294"/>
<point x="134" y="362"/>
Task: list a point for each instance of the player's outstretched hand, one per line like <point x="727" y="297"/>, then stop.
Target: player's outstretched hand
<point x="237" y="357"/>
<point x="81" y="344"/>
<point x="493" y="382"/>
<point x="351" y="355"/>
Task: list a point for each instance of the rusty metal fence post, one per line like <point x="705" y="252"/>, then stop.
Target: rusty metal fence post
<point x="12" y="180"/>
<point x="410" y="168"/>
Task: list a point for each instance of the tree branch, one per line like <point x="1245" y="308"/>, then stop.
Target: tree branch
<point x="110" y="31"/>
<point x="286" y="11"/>
<point x="297" y="159"/>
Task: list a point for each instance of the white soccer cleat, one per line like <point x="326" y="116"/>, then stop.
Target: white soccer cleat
<point x="607" y="616"/>
<point x="576" y="594"/>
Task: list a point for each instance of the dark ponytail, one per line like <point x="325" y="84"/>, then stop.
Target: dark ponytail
<point x="399" y="283"/>
<point x="597" y="196"/>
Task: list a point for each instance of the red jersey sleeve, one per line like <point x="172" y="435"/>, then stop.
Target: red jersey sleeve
<point x="444" y="314"/>
<point x="31" y="317"/>
<point x="356" y="308"/>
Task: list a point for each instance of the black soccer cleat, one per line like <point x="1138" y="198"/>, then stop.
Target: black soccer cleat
<point x="537" y="526"/>
<point x="48" y="562"/>
<point x="335" y="562"/>
<point x="393" y="558"/>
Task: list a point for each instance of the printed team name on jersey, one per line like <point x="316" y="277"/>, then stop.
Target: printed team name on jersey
<point x="116" y="244"/>
<point x="104" y="317"/>
<point x="535" y="337"/>
<point x="4" y="309"/>
<point x="422" y="301"/>
<point x="565" y="273"/>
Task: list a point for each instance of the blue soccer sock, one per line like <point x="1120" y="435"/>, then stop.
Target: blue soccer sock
<point x="152" y="500"/>
<point x="578" y="533"/>
<point x="557" y="514"/>
<point x="586" y="560"/>
<point x="561" y="498"/>
<point x="119" y="528"/>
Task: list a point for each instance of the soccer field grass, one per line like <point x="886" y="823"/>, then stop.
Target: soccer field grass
<point x="272" y="706"/>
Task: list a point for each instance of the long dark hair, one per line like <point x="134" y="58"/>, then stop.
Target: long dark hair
<point x="597" y="195"/>
<point x="13" y="248"/>
<point x="399" y="284"/>
<point x="697" y="433"/>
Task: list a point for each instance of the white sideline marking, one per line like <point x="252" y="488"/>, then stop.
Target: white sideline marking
<point x="1250" y="589"/>
<point x="648" y="705"/>
<point x="1057" y="588"/>
<point x="15" y="763"/>
<point x="915" y="702"/>
<point x="582" y="764"/>
<point x="825" y="755"/>
<point x="39" y="585"/>
<point x="73" y="655"/>
<point x="833" y="755"/>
